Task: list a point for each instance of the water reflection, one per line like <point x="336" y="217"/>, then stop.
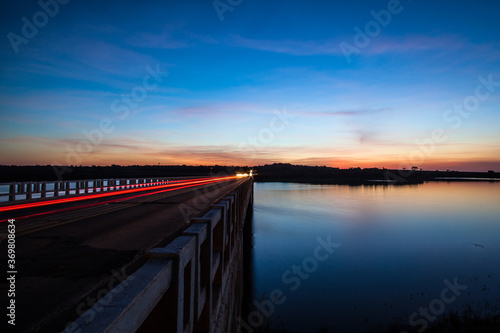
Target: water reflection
<point x="398" y="246"/>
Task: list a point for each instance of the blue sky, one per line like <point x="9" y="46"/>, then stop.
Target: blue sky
<point x="230" y="82"/>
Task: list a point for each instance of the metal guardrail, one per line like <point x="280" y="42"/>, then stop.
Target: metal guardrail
<point x="21" y="191"/>
<point x="182" y="287"/>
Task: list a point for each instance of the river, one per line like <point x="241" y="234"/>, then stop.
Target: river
<point x="332" y="258"/>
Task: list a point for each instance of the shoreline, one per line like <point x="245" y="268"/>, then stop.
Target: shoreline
<point x="273" y="173"/>
<point x="374" y="182"/>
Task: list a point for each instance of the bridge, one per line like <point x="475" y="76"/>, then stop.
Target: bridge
<point x="128" y="255"/>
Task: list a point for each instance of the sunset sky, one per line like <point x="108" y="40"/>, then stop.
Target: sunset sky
<point x="336" y="83"/>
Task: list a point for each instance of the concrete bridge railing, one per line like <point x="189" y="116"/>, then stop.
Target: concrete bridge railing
<point x="20" y="191"/>
<point x="191" y="285"/>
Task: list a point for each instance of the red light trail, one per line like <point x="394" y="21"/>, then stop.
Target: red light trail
<point x="212" y="180"/>
<point x="170" y="187"/>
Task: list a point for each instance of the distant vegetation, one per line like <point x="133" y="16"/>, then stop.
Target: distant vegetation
<point x="278" y="172"/>
<point x="353" y="176"/>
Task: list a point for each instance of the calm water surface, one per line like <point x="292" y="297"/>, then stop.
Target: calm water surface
<point x="397" y="246"/>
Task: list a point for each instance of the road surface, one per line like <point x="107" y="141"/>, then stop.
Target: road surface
<point x="70" y="257"/>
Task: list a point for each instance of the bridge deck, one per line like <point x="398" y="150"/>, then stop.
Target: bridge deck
<point x="65" y="258"/>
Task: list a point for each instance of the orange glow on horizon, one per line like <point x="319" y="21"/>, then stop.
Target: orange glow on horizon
<point x="365" y="157"/>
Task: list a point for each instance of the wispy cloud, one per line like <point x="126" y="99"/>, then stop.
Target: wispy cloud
<point x="110" y="58"/>
<point x="87" y="60"/>
<point x="378" y="46"/>
<point x="216" y="109"/>
<point x="415" y="43"/>
<point x="171" y="36"/>
<point x="293" y="47"/>
<point x="346" y="113"/>
<point x="128" y="151"/>
<point x="166" y="39"/>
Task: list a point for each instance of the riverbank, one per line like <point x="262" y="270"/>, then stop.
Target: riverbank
<point x="278" y="172"/>
<point x="357" y="176"/>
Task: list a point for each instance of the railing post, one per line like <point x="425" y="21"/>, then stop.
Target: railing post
<point x="210" y="269"/>
<point x="199" y="231"/>
<point x="226" y="205"/>
<point x="29" y="190"/>
<point x="12" y="192"/>
<point x="181" y="294"/>
<point x="128" y="307"/>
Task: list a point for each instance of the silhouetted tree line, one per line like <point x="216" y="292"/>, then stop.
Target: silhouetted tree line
<point x="282" y="172"/>
<point x="285" y="172"/>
